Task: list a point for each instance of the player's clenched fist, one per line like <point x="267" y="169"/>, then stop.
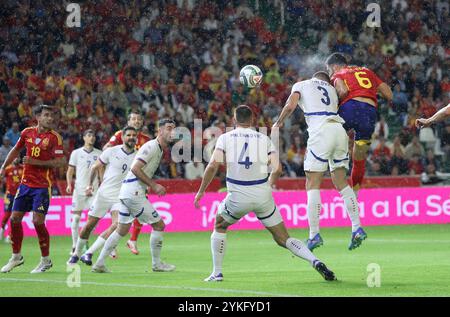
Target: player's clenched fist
<point x="159" y="190"/>
<point x="422" y="123"/>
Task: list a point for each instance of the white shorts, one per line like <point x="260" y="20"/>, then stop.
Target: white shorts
<point x="139" y="208"/>
<point x="235" y="206"/>
<point x="81" y="202"/>
<point x="101" y="205"/>
<point x="328" y="147"/>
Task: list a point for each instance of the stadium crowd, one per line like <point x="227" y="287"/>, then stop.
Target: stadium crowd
<point x="182" y="59"/>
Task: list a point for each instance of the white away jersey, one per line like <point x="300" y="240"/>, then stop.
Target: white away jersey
<point x="319" y="102"/>
<point x="82" y="160"/>
<point x="150" y="154"/>
<point x="118" y="163"/>
<point x="247" y="156"/>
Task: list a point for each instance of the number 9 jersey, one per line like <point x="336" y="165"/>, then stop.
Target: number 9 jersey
<point x="360" y="82"/>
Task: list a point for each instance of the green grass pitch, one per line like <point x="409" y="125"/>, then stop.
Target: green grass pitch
<point x="413" y="261"/>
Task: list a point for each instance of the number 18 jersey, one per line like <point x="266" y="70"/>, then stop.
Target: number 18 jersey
<point x="319" y="102"/>
<point x="118" y="163"/>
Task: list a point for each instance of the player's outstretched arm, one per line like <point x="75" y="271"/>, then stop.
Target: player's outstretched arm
<point x="385" y="91"/>
<point x="441" y="115"/>
<point x="290" y="106"/>
<point x="211" y="170"/>
<point x="12" y="155"/>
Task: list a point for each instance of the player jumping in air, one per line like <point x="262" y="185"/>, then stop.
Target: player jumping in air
<point x="248" y="155"/>
<point x="134" y="203"/>
<point x="135" y="120"/>
<point x="13" y="174"/>
<point x="80" y="162"/>
<point x="117" y="161"/>
<point x="357" y="89"/>
<point x="44" y="150"/>
<point x="327" y="146"/>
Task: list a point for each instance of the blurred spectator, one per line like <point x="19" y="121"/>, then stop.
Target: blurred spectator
<point x="381" y="129"/>
<point x="13" y="134"/>
<point x="415" y="166"/>
<point x="4" y="149"/>
<point x="414" y="148"/>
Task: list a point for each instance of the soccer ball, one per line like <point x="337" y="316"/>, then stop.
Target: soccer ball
<point x="250" y="76"/>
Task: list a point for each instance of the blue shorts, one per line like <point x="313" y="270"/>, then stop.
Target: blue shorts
<point x="9" y="200"/>
<point x="32" y="199"/>
<point x="359" y="116"/>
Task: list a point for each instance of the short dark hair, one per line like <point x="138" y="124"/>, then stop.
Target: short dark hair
<point x="88" y="131"/>
<point x="165" y="121"/>
<point x="336" y="59"/>
<point x="243" y="114"/>
<point x="41" y="108"/>
<point x="127" y="128"/>
<point x="322" y="75"/>
<point x="134" y="112"/>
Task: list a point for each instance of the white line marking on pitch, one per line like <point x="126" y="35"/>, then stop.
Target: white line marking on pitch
<point x="220" y="290"/>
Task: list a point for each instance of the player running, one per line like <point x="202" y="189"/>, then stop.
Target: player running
<point x="134" y="202"/>
<point x="357" y="89"/>
<point x="248" y="154"/>
<point x="439" y="116"/>
<point x="13" y="174"/>
<point x="44" y="150"/>
<point x="327" y="146"/>
<point x="117" y="161"/>
<point x="136" y="120"/>
<point x="79" y="163"/>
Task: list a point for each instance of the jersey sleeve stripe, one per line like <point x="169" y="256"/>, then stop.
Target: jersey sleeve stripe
<point x="101" y="161"/>
<point x="58" y="136"/>
<point x="139" y="159"/>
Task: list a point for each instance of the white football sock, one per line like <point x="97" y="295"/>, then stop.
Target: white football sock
<point x="97" y="245"/>
<point x="156" y="242"/>
<point x="314" y="207"/>
<point x="110" y="244"/>
<point x="351" y="204"/>
<point x="81" y="243"/>
<point x="218" y="246"/>
<point x="74" y="226"/>
<point x="16" y="256"/>
<point x="299" y="249"/>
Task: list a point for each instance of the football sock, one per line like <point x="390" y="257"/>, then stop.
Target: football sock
<point x="74" y="227"/>
<point x="110" y="244"/>
<point x="358" y="170"/>
<point x="351" y="204"/>
<point x="5" y="218"/>
<point x="218" y="246"/>
<point x="156" y="242"/>
<point x="81" y="243"/>
<point x="299" y="249"/>
<point x="314" y="207"/>
<point x="16" y="236"/>
<point x="44" y="239"/>
<point x="97" y="245"/>
<point x="135" y="230"/>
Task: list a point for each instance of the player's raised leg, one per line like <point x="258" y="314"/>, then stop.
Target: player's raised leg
<point x="313" y="181"/>
<point x="339" y="178"/>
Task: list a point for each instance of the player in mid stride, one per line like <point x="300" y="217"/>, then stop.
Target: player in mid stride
<point x="327" y="146"/>
<point x="44" y="151"/>
<point x="248" y="155"/>
<point x="134" y="203"/>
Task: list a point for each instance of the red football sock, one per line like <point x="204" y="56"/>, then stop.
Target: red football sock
<point x="44" y="239"/>
<point x="16" y="236"/>
<point x="358" y="170"/>
<point x="136" y="230"/>
<point x="6" y="216"/>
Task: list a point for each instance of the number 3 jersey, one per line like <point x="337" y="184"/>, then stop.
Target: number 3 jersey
<point x="360" y="81"/>
<point x="247" y="157"/>
<point x="82" y="160"/>
<point x="118" y="163"/>
<point x="319" y="102"/>
<point x="44" y="146"/>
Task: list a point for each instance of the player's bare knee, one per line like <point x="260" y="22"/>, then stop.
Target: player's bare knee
<point x="123" y="229"/>
<point x="220" y="225"/>
<point x="159" y="226"/>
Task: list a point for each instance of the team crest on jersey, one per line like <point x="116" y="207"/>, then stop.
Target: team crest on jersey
<point x="45" y="142"/>
<point x="95" y="158"/>
<point x="30" y="140"/>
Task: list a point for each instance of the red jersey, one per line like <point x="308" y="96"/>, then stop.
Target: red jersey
<point x="360" y="82"/>
<point x="116" y="139"/>
<point x="13" y="174"/>
<point x="40" y="146"/>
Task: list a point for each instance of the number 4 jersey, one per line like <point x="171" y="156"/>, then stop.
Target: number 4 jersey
<point x="360" y="82"/>
<point x="319" y="102"/>
<point x="118" y="163"/>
